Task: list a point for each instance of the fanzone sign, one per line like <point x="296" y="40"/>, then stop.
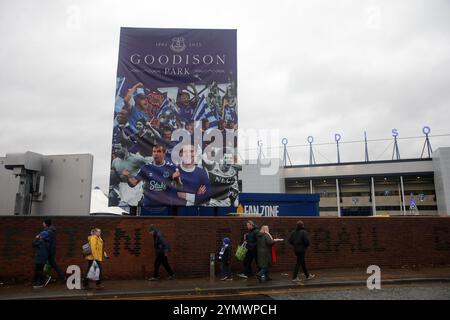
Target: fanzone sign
<point x="263" y="210"/>
<point x="175" y="119"/>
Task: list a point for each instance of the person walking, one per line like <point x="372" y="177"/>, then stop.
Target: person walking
<point x="41" y="252"/>
<point x="299" y="239"/>
<point x="250" y="240"/>
<point x="264" y="253"/>
<point x="97" y="254"/>
<point x="51" y="230"/>
<point x="225" y="259"/>
<point x="162" y="248"/>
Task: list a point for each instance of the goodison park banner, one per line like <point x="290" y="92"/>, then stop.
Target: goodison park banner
<point x="175" y="119"/>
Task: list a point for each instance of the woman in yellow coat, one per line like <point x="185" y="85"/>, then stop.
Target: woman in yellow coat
<point x="97" y="254"/>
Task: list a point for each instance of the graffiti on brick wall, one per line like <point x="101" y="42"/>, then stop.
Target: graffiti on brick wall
<point x="120" y="235"/>
<point x="441" y="238"/>
<point x="14" y="242"/>
<point x="324" y="242"/>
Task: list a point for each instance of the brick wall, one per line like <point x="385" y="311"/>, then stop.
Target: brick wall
<point x="336" y="242"/>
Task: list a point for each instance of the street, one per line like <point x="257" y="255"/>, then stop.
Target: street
<point x="422" y="291"/>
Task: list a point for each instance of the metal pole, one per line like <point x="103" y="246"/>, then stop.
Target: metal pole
<point x="338" y="198"/>
<point x="403" y="194"/>
<point x="212" y="267"/>
<point x="366" y="147"/>
<point x="311" y="186"/>
<point x="374" y="205"/>
<point x="338" y="155"/>
<point x="400" y="199"/>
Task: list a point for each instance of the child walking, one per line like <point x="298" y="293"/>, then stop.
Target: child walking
<point x="225" y="259"/>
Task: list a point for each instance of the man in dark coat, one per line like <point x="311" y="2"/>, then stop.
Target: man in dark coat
<point x="51" y="230"/>
<point x="299" y="239"/>
<point x="250" y="239"/>
<point x="162" y="248"/>
<point x="41" y="252"/>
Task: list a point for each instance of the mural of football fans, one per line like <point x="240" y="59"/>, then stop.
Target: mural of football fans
<point x="159" y="177"/>
<point x="122" y="131"/>
<point x="223" y="177"/>
<point x="195" y="188"/>
<point x="186" y="104"/>
<point x="155" y="99"/>
<point x="144" y="139"/>
<point x="136" y="104"/>
<point x="230" y="106"/>
<point x="121" y="193"/>
<point x="176" y="97"/>
<point x="214" y="99"/>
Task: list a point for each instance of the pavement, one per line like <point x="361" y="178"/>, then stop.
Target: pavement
<point x="192" y="288"/>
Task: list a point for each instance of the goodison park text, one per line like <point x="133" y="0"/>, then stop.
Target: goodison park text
<point x="177" y="59"/>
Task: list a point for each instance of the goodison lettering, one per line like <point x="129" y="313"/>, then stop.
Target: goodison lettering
<point x="176" y="59"/>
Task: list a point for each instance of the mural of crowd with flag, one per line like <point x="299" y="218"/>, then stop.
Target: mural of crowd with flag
<point x="151" y="165"/>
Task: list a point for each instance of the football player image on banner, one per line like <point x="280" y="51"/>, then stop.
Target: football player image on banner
<point x="173" y="88"/>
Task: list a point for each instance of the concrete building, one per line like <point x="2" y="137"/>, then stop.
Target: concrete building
<point x="398" y="187"/>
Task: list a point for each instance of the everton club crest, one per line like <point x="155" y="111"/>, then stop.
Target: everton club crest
<point x="178" y="44"/>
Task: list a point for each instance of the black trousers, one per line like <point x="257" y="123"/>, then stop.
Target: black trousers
<point x="86" y="280"/>
<point x="39" y="274"/>
<point x="300" y="263"/>
<point x="133" y="210"/>
<point x="161" y="258"/>
<point x="249" y="257"/>
<point x="52" y="263"/>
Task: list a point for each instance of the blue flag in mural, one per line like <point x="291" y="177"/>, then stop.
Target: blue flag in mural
<point x="167" y="81"/>
<point x="204" y="112"/>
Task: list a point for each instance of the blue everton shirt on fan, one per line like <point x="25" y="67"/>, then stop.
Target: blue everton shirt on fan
<point x="186" y="113"/>
<point x="192" y="180"/>
<point x="135" y="115"/>
<point x="158" y="184"/>
<point x="230" y="113"/>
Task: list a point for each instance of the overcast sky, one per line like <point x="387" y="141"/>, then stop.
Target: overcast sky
<point x="304" y="68"/>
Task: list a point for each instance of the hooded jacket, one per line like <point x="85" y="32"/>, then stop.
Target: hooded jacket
<point x="299" y="239"/>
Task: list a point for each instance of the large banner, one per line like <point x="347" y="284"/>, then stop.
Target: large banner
<point x="175" y="119"/>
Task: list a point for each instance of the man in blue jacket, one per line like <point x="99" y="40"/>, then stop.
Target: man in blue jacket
<point x="51" y="231"/>
<point x="40" y="250"/>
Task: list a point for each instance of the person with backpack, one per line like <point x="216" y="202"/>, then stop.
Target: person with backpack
<point x="97" y="254"/>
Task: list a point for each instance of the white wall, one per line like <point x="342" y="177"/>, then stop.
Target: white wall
<point x="259" y="178"/>
<point x="67" y="186"/>
<point x="441" y="164"/>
